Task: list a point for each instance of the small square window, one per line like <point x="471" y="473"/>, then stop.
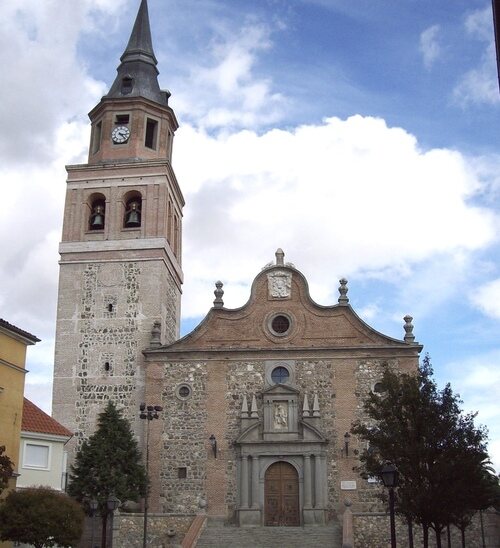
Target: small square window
<point x="36" y="456"/>
<point x="182" y="472"/>
<point x="122" y="119"/>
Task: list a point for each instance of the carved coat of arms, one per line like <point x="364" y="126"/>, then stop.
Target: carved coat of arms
<point x="280" y="284"/>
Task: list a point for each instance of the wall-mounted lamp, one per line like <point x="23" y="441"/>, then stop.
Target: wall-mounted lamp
<point x="347" y="437"/>
<point x="213" y="443"/>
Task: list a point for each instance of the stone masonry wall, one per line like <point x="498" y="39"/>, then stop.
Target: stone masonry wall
<point x="373" y="531"/>
<point x="105" y="315"/>
<point x="367" y="374"/>
<point x="163" y="530"/>
<point x="183" y="438"/>
<point x="317" y="377"/>
<point x="243" y="377"/>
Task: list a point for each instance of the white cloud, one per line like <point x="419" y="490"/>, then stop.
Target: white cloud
<point x="227" y="92"/>
<point x="369" y="312"/>
<point x="429" y="45"/>
<point x="487" y="298"/>
<point x="480" y="84"/>
<point x="43" y="77"/>
<point x="300" y="189"/>
<point x="479" y="23"/>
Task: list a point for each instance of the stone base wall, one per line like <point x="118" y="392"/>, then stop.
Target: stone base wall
<point x="163" y="530"/>
<point x="372" y="530"/>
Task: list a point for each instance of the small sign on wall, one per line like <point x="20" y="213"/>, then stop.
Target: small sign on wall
<point x="348" y="485"/>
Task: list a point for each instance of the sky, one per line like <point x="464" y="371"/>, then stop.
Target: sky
<point x="361" y="137"/>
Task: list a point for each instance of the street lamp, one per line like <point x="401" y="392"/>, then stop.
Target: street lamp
<point x="389" y="475"/>
<point x="112" y="504"/>
<point x="93" y="505"/>
<point x="148" y="413"/>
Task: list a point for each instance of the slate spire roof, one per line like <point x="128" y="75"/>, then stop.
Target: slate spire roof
<point x="140" y="44"/>
<point x="137" y="73"/>
<point x="36" y="420"/>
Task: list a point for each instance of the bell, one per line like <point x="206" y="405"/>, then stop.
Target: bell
<point x="133" y="216"/>
<point x="97" y="221"/>
<point x="97" y="218"/>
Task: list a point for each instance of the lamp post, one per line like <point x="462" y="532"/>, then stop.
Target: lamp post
<point x="93" y="505"/>
<point x="389" y="475"/>
<point x="112" y="504"/>
<point x="148" y="413"/>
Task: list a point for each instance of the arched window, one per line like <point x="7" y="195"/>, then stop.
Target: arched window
<point x="97" y="218"/>
<point x="133" y="211"/>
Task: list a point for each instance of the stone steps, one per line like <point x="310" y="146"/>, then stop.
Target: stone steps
<point x="220" y="536"/>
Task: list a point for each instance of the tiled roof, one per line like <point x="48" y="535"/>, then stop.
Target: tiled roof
<point x="36" y="420"/>
<point x="14" y="329"/>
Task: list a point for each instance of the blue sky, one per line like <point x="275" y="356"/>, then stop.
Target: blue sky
<point x="361" y="137"/>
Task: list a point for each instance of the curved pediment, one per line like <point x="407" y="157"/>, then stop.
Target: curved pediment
<point x="281" y="313"/>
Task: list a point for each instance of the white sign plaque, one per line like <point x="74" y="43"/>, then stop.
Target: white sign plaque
<point x="348" y="485"/>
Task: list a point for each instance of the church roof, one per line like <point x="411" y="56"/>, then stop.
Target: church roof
<point x="137" y="73"/>
<point x="36" y="420"/>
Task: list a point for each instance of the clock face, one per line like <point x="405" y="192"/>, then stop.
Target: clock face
<point x="120" y="134"/>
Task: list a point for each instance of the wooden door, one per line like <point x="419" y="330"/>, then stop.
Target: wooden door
<point x="281" y="495"/>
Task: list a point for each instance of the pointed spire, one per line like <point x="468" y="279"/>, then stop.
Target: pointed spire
<point x="253" y="410"/>
<point x="305" y="407"/>
<point x="316" y="406"/>
<point x="140" y="44"/>
<point x="137" y="73"/>
<point x="244" y="408"/>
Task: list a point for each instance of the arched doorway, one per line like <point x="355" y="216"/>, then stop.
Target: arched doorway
<point x="281" y="495"/>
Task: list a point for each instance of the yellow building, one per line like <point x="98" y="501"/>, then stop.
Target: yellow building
<point x="13" y="343"/>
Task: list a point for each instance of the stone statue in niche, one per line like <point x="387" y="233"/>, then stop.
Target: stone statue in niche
<point x="280" y="284"/>
<point x="280" y="416"/>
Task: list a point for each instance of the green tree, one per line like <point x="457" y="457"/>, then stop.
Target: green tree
<point x="6" y="468"/>
<point x="41" y="517"/>
<point x="107" y="464"/>
<point x="435" y="446"/>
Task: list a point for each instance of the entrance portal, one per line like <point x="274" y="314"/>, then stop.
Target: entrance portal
<point x="281" y="495"/>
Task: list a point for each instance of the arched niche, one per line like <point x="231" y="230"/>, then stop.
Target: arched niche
<point x="97" y="211"/>
<point x="132" y="217"/>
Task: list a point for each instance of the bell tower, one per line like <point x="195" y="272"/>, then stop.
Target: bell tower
<point x="120" y="267"/>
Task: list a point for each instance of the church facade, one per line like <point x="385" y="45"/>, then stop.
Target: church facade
<point x="257" y="401"/>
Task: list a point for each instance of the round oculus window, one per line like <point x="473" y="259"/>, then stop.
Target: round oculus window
<point x="280" y="324"/>
<point x="183" y="391"/>
<point x="378" y="388"/>
<point x="280" y="375"/>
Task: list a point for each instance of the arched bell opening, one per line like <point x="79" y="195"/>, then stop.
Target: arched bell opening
<point x="133" y="210"/>
<point x="97" y="217"/>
